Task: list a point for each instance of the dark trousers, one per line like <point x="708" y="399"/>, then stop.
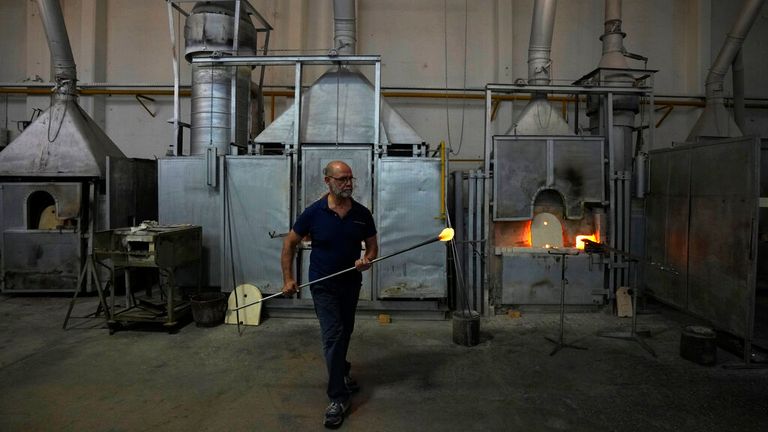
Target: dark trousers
<point x="335" y="306"/>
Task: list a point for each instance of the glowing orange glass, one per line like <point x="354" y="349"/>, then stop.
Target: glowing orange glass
<point x="580" y="240"/>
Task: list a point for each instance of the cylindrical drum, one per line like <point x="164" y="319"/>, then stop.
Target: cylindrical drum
<point x="208" y="308"/>
<point x="466" y="328"/>
<point x="699" y="344"/>
<point x="210" y="28"/>
<point x="212" y="107"/>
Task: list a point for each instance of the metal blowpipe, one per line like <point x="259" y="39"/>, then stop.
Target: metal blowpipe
<point x="444" y="236"/>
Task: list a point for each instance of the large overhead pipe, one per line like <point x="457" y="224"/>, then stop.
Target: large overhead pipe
<point x="624" y="107"/>
<point x="613" y="37"/>
<point x="65" y="72"/>
<point x="540" y="45"/>
<point x="210" y="28"/>
<point x="344" y="27"/>
<point x="614" y="73"/>
<point x="715" y="121"/>
<point x="538" y="117"/>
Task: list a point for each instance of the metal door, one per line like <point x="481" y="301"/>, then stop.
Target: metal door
<point x="407" y="212"/>
<point x="718" y="261"/>
<point x="258" y="200"/>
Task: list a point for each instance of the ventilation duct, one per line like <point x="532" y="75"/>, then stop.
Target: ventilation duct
<point x="344" y="31"/>
<point x="538" y="117"/>
<point x="210" y="28"/>
<point x="625" y="107"/>
<point x="715" y="120"/>
<point x="64" y="141"/>
<point x="339" y="107"/>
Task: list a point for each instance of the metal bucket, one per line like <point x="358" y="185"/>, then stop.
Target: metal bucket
<point x="466" y="328"/>
<point x="699" y="345"/>
<point x="208" y="309"/>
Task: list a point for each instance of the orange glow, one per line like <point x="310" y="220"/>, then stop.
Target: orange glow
<point x="580" y="240"/>
<point x="446" y="234"/>
<point x="527" y="234"/>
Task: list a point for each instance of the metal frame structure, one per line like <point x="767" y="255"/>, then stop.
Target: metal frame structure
<point x="618" y="182"/>
<point x="175" y="148"/>
<point x="298" y="63"/>
<point x="293" y="149"/>
<point x="715" y="183"/>
<point x="292" y="145"/>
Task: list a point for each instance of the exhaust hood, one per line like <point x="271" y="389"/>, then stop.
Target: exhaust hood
<point x="338" y="109"/>
<point x="63" y="141"/>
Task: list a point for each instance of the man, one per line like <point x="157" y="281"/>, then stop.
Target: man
<point x="336" y="224"/>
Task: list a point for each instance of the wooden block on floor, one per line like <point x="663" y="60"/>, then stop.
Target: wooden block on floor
<point x="385" y="319"/>
<point x="623" y="302"/>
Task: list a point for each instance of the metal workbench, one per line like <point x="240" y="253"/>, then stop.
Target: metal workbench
<point x="165" y="248"/>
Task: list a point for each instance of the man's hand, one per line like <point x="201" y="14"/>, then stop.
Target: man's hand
<point x="290" y="288"/>
<point x="362" y="264"/>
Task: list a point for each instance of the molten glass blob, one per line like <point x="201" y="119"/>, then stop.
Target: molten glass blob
<point x="580" y="240"/>
<point x="446" y="235"/>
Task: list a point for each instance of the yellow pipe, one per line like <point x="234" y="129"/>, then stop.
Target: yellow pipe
<point x="442" y="180"/>
<point x="390" y="94"/>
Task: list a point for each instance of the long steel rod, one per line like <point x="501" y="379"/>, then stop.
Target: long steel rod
<point x="480" y="252"/>
<point x="472" y="214"/>
<point x="424" y="243"/>
<point x="560" y="343"/>
<point x="458" y="211"/>
<point x="174" y="149"/>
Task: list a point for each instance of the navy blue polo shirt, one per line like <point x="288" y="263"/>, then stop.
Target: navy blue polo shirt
<point x="335" y="241"/>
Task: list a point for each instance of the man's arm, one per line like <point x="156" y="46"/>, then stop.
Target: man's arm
<point x="290" y="243"/>
<point x="371" y="252"/>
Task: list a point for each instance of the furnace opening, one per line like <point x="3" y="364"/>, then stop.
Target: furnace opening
<point x="41" y="209"/>
<point x="42" y="213"/>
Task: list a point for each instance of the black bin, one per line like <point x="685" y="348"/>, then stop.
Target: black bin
<point x="699" y="345"/>
<point x="208" y="309"/>
<point x="466" y="328"/>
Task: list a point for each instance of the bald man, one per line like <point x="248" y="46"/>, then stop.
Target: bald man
<point x="337" y="225"/>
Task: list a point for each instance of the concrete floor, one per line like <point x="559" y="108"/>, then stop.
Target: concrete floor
<point x="413" y="377"/>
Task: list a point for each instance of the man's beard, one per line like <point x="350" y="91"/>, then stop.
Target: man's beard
<point x="341" y="193"/>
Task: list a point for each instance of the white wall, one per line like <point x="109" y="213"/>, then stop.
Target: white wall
<point x="122" y="41"/>
<point x="13" y="60"/>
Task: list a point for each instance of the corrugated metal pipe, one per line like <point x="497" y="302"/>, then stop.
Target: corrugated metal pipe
<point x="613" y="38"/>
<point x="65" y="72"/>
<point x="540" y="46"/>
<point x="715" y="121"/>
<point x="538" y="117"/>
<point x="344" y="27"/>
<point x="738" y="90"/>
<point x="209" y="28"/>
<point x="624" y="106"/>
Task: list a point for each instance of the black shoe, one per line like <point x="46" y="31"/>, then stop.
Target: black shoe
<point x="351" y="384"/>
<point x="334" y="414"/>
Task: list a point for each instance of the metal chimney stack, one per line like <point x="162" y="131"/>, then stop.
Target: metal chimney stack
<point x="538" y="117"/>
<point x="209" y="29"/>
<point x="715" y="121"/>
<point x="64" y="141"/>
<point x="344" y="27"/>
<point x="65" y="72"/>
